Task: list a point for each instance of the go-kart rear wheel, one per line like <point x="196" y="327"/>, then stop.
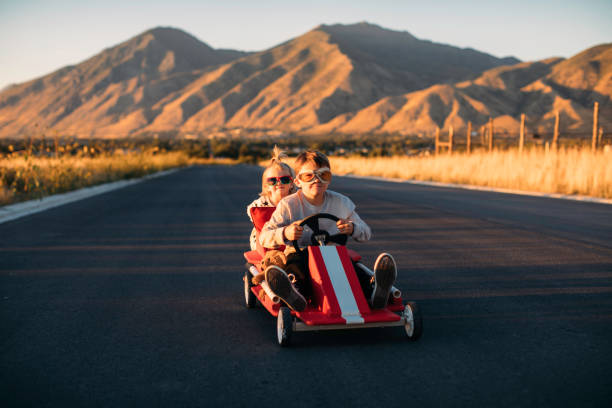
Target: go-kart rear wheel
<point x="413" y="322"/>
<point x="249" y="297"/>
<point x="284" y="326"/>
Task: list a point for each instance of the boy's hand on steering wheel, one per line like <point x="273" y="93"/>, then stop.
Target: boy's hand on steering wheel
<point x="345" y="226"/>
<point x="293" y="232"/>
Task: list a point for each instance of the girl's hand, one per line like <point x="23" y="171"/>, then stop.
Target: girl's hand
<point x="293" y="232"/>
<point x="345" y="226"/>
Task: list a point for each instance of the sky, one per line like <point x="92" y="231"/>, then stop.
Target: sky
<point x="38" y="37"/>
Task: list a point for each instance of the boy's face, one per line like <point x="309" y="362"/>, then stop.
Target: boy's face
<point x="315" y="188"/>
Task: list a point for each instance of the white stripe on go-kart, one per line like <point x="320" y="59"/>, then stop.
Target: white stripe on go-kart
<point x="342" y="287"/>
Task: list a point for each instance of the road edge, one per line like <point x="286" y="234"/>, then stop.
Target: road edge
<point x="488" y="189"/>
<point x="14" y="211"/>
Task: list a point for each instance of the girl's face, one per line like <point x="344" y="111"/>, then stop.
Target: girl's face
<point x="273" y="179"/>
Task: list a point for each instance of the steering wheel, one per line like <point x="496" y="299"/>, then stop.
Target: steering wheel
<point x="320" y="237"/>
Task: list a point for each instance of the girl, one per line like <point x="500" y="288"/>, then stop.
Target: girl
<point x="276" y="183"/>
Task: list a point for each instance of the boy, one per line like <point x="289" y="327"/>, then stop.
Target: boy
<point x="313" y="177"/>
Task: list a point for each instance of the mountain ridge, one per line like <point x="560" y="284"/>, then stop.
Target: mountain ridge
<point x="342" y="78"/>
<point x="536" y="89"/>
<point x="111" y="85"/>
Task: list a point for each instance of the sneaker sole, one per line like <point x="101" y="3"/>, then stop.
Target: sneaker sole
<point x="385" y="273"/>
<point x="279" y="283"/>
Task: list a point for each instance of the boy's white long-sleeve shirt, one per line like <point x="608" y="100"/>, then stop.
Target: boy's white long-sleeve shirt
<point x="295" y="208"/>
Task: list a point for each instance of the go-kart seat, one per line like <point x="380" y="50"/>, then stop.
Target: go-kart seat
<point x="261" y="215"/>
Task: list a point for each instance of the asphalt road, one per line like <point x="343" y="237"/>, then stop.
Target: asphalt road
<point x="134" y="298"/>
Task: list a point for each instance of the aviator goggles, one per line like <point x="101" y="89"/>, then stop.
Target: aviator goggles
<point x="272" y="181"/>
<point x="308" y="176"/>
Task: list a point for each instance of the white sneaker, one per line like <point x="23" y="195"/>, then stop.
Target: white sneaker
<point x="279" y="283"/>
<point x="385" y="273"/>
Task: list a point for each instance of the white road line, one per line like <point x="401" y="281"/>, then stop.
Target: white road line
<point x="342" y="287"/>
<point x="15" y="211"/>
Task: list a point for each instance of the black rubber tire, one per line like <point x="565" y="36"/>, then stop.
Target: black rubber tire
<point x="249" y="297"/>
<point x="415" y="330"/>
<point x="284" y="327"/>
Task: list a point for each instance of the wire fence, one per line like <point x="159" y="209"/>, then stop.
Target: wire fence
<point x="485" y="136"/>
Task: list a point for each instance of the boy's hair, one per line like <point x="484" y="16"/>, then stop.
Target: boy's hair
<point x="310" y="156"/>
<point x="277" y="161"/>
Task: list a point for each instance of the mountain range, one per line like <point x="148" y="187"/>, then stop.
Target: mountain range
<point x="335" y="78"/>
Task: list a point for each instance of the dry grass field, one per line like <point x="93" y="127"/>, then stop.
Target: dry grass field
<point x="577" y="171"/>
<point x="24" y="177"/>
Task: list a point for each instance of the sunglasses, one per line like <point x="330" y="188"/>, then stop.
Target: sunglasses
<point x="308" y="176"/>
<point x="271" y="181"/>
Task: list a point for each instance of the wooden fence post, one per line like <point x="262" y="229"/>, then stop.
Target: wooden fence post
<point x="450" y="140"/>
<point x="556" y="134"/>
<point x="595" y="125"/>
<point x="56" y="143"/>
<point x="437" y="140"/>
<point x="490" y="133"/>
<point x="482" y="135"/>
<point x="522" y="135"/>
<point x="469" y="137"/>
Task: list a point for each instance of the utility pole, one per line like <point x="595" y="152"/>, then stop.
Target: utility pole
<point x="595" y="125"/>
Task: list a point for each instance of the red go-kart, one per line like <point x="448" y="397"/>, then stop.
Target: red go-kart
<point x="337" y="300"/>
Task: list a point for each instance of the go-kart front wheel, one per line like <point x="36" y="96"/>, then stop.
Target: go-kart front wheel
<point x="413" y="322"/>
<point x="249" y="297"/>
<point x="284" y="326"/>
